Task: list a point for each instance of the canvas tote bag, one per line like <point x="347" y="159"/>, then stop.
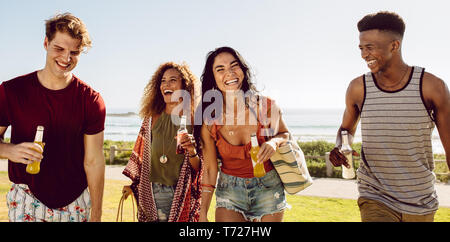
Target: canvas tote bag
<point x="289" y="162"/>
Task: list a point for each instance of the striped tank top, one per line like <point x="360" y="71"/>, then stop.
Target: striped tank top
<point x="397" y="158"/>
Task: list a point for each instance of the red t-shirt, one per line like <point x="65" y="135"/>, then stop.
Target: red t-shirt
<point x="67" y="115"/>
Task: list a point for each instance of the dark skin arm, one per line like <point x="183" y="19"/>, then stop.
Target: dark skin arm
<point x="354" y="98"/>
<point x="437" y="98"/>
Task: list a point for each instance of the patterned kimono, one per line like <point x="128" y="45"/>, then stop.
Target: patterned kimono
<point x="186" y="201"/>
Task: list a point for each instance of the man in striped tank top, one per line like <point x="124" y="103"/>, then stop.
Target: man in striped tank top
<point x="398" y="106"/>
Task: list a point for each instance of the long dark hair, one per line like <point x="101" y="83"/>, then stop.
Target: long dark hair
<point x="209" y="83"/>
<point x="207" y="78"/>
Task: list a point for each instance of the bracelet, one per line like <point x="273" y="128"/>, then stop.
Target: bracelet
<point x="207" y="191"/>
<point x="208" y="185"/>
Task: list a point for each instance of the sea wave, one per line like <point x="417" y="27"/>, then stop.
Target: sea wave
<point x="125" y="125"/>
<point x="127" y="114"/>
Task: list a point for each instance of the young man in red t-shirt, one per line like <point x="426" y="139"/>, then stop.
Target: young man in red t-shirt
<point x="69" y="186"/>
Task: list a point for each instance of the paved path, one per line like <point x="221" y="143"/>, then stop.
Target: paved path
<point x="322" y="187"/>
<point x="341" y="188"/>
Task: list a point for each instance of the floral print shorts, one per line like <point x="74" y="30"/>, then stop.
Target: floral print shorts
<point x="24" y="207"/>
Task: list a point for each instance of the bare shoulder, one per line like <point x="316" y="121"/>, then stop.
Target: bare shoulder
<point x="205" y="132"/>
<point x="355" y="92"/>
<point x="269" y="105"/>
<point x="357" y="84"/>
<point x="432" y="82"/>
<point x="434" y="90"/>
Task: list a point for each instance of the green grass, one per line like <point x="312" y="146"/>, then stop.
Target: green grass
<point x="304" y="208"/>
<point x="314" y="209"/>
<point x="5" y="185"/>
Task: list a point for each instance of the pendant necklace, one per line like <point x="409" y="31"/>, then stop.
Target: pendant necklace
<point x="163" y="158"/>
<point x="231" y="132"/>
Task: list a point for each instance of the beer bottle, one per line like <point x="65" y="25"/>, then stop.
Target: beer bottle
<point x="258" y="168"/>
<point x="182" y="130"/>
<point x="35" y="166"/>
<point x="347" y="151"/>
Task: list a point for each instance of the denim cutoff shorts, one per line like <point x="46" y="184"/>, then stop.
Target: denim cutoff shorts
<point x="252" y="197"/>
<point x="163" y="196"/>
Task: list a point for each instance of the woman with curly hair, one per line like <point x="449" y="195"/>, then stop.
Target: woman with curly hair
<point x="241" y="194"/>
<point x="165" y="183"/>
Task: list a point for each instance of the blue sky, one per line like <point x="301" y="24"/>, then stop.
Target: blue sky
<point x="303" y="53"/>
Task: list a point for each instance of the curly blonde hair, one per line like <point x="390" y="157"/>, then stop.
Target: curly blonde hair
<point x="153" y="102"/>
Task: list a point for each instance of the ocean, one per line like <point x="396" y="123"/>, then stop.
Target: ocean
<point x="304" y="124"/>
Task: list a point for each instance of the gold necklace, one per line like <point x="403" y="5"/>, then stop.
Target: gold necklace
<point x="399" y="81"/>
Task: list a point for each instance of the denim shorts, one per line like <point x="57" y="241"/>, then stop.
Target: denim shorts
<point x="163" y="196"/>
<point x="252" y="197"/>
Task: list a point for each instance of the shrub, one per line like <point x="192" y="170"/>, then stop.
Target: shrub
<point x="121" y="157"/>
<point x="317" y="166"/>
<point x="316" y="148"/>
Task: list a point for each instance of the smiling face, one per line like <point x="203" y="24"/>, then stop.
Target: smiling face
<point x="63" y="53"/>
<point x="377" y="49"/>
<point x="227" y="72"/>
<point x="170" y="82"/>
